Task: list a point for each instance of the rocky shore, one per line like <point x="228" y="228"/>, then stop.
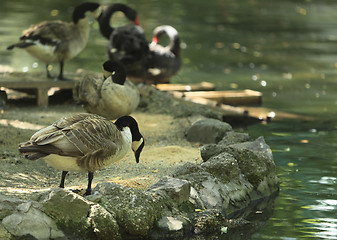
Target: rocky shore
<point x="228" y="190"/>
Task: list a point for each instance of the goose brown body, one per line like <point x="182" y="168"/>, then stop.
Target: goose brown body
<point x="84" y="142"/>
<point x="111" y="97"/>
<point x="58" y="41"/>
<point x="61" y="40"/>
<point x="87" y="142"/>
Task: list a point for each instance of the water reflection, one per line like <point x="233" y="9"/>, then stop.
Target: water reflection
<point x="327" y="227"/>
<point x="306" y="159"/>
<point x="285" y="49"/>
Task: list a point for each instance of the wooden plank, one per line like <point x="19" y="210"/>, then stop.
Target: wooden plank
<point x="232" y="97"/>
<point x="37" y="84"/>
<point x="42" y="97"/>
<point x="33" y="83"/>
<point x="210" y="103"/>
<point x="236" y="116"/>
<point x="259" y="113"/>
<point x="203" y="86"/>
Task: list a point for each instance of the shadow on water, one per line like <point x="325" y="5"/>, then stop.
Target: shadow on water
<point x="285" y="49"/>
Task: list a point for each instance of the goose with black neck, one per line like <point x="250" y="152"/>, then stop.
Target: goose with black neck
<point x="58" y="41"/>
<point x="84" y="143"/>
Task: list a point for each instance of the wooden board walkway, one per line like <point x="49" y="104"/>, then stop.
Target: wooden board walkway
<point x="202" y="93"/>
<point x="33" y="83"/>
<point x="238" y="102"/>
<point x="230" y="97"/>
<point x="203" y="86"/>
<point x="206" y="90"/>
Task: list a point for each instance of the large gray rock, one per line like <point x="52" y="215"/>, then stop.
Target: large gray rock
<point x="102" y="223"/>
<point x="178" y="190"/>
<point x="234" y="137"/>
<point x="207" y="131"/>
<point x="210" y="150"/>
<point x="231" y="176"/>
<point x="79" y="217"/>
<point x="8" y="205"/>
<point x="136" y="211"/>
<point x="4" y="234"/>
<point x="170" y="224"/>
<point x="30" y="220"/>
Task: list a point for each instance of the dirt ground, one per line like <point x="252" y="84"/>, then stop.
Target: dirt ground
<point x="165" y="149"/>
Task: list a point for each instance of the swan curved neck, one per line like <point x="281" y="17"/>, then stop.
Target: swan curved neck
<point x="105" y="18"/>
<point x="174" y="44"/>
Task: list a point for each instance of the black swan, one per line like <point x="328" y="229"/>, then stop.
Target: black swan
<point x="127" y="44"/>
<point x="163" y="62"/>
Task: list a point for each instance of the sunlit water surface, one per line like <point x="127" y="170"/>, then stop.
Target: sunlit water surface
<point x="285" y="49"/>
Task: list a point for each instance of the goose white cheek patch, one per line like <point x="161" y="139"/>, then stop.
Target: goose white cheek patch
<point x="136" y="144"/>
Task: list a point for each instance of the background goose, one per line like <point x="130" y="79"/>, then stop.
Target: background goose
<point x="84" y="142"/>
<point x="57" y="41"/>
<point x="127" y="43"/>
<point x="112" y="97"/>
<point x="164" y="62"/>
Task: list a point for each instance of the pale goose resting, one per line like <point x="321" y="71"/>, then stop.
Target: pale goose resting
<point x="112" y="97"/>
<point x="84" y="142"/>
<point x="58" y="41"/>
<point x="163" y="61"/>
<point x="127" y="43"/>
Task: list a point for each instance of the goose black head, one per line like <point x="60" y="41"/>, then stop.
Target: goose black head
<point x="115" y="70"/>
<point x="137" y="138"/>
<point x="80" y="10"/>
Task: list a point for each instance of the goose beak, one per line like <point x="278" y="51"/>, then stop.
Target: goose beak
<point x="139" y="149"/>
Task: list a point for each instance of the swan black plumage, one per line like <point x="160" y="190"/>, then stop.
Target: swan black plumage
<point x="163" y="61"/>
<point x="127" y="43"/>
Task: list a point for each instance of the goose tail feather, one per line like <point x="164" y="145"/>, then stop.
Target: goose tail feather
<point x="30" y="151"/>
<point x="20" y="45"/>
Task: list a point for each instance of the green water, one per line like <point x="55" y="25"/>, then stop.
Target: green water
<point x="285" y="49"/>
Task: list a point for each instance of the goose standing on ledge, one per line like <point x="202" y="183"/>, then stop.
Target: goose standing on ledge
<point x="127" y="43"/>
<point x="112" y="97"/>
<point x="84" y="142"/>
<point x="163" y="62"/>
<point x="58" y="41"/>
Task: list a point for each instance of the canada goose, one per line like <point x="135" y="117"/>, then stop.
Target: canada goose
<point x="164" y="61"/>
<point x="112" y="97"/>
<point x="84" y="142"/>
<point x="58" y="41"/>
<point x="127" y="43"/>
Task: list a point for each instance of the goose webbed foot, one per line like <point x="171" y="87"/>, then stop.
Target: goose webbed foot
<point x="60" y="76"/>
<point x="82" y="192"/>
<point x="87" y="192"/>
<point x="78" y="191"/>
